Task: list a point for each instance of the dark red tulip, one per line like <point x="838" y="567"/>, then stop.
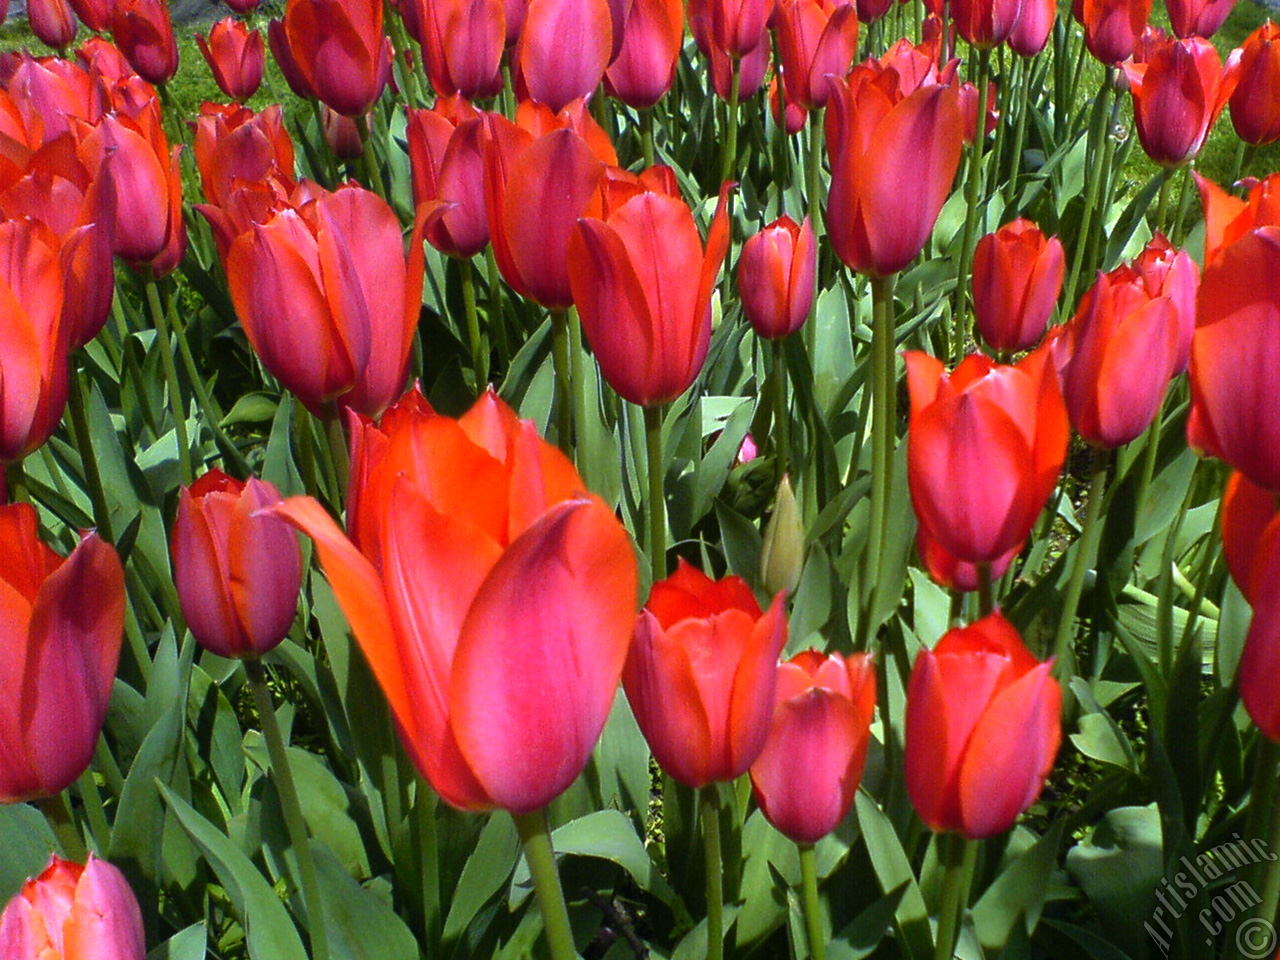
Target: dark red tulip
<point x="94" y="14"/>
<point x="144" y="33"/>
<point x="1112" y="27"/>
<point x="1255" y="102"/>
<point x="52" y="21"/>
<point x="986" y="23"/>
<point x="447" y="155"/>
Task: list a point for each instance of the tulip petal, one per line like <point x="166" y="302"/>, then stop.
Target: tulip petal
<point x="202" y="574"/>
<point x="564" y="47"/>
<point x="752" y="700"/>
<point x="264" y="566"/>
<point x="105" y="922"/>
<point x="1135" y="372"/>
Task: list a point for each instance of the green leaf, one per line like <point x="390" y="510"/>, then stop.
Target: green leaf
<point x="25" y="844"/>
<point x="864" y="933"/>
<point x="188" y="944"/>
<point x="252" y="408"/>
<point x="742" y="542"/>
<point x="1019" y="892"/>
<point x="360" y="924"/>
<point x="893" y="871"/>
<point x="486" y="871"/>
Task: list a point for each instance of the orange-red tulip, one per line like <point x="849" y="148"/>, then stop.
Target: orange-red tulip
<point x="1255" y="102"/>
<point x="642" y="72"/>
<point x="1198" y="17"/>
<point x="982" y="729"/>
<point x="564" y="48"/>
<point x="808" y="772"/>
<point x="73" y="912"/>
<point x="338" y="51"/>
<point x="462" y="42"/>
<point x="817" y="41"/>
<point x="776" y="277"/>
<point x="52" y="21"/>
<point x="238" y="571"/>
<point x="496" y="607"/>
<point x="447" y="155"/>
<point x="701" y="674"/>
<point x="64" y="621"/>
<point x="642" y="282"/>
<point x="1017" y="276"/>
<point x="144" y="33"/>
<point x="1227" y="218"/>
<point x="236" y="57"/>
<point x="985" y="447"/>
<point x="235" y="147"/>
<point x="1112" y="27"/>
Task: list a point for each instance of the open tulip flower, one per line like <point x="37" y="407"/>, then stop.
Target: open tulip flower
<point x="809" y="770"/>
<point x="235" y="147"/>
<point x="982" y="729"/>
<point x="494" y="598"/>
<point x="701" y="675"/>
<point x="73" y="912"/>
<point x="1227" y="218"/>
<point x="64" y="623"/>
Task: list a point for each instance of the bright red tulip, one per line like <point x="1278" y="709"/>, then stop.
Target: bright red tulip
<point x="462" y="42"/>
<point x="1177" y="96"/>
<point x="817" y="42"/>
<point x="52" y="21"/>
<point x="1017" y="276"/>
<point x="48" y="95"/>
<point x="969" y="110"/>
<point x="447" y="154"/>
<point x="982" y="729"/>
<point x="327" y="300"/>
<point x="236" y="57"/>
<point x="986" y="23"/>
<point x="235" y="147"/>
<point x="144" y="33"/>
<point x="1234" y="358"/>
<point x="1200" y="18"/>
<point x="893" y="159"/>
<point x="61" y="644"/>
<point x="985" y="447"/>
<point x="642" y="282"/>
<point x="776" y="273"/>
<point x="338" y="51"/>
<point x="701" y="674"/>
<point x="642" y="72"/>
<point x="1255" y="102"/>
<point x="1227" y="218"/>
<point x="564" y="48"/>
<point x="1035" y="23"/>
<point x="238" y="571"/>
<point x="73" y="912"/>
<point x="808" y="772"/>
<point x="497" y="610"/>
<point x="1112" y="27"/>
<point x="94" y="14"/>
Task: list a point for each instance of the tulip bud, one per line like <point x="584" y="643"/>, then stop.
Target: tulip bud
<point x="94" y="14"/>
<point x="1017" y="275"/>
<point x="52" y="21"/>
<point x="776" y="277"/>
<point x="235" y="55"/>
<point x="1255" y="112"/>
<point x="144" y="33"/>
<point x="782" y="556"/>
<point x="73" y="912"/>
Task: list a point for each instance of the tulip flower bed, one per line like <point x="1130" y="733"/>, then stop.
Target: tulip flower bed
<point x="573" y="478"/>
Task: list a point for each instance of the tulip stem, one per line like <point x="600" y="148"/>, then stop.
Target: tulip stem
<point x="960" y="312"/>
<point x="986" y="595"/>
<point x="1263" y="815"/>
<point x="709" y="804"/>
<point x="781" y="432"/>
<point x="959" y="856"/>
<point x="186" y="469"/>
<point x="1162" y="204"/>
<point x="578" y="386"/>
<point x="1087" y="548"/>
<point x="479" y="349"/>
<point x="1019" y="137"/>
<point x="535" y="837"/>
<point x="813" y="172"/>
<point x="656" y="511"/>
<point x="1097" y="132"/>
<point x="730" y="156"/>
<point x="497" y="324"/>
<point x="371" y="171"/>
<point x="884" y="421"/>
<point x="564" y="397"/>
<point x="646" y="136"/>
<point x="15" y="481"/>
<point x="57" y="810"/>
<point x="809" y="899"/>
<point x="282" y="774"/>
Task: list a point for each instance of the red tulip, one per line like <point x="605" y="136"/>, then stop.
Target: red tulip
<point x="1017" y="276"/>
<point x="327" y="300"/>
<point x="52" y="21"/>
<point x="238" y="572"/>
<point x="808" y="772"/>
<point x="969" y="109"/>
<point x="1112" y="27"/>
<point x="893" y="159"/>
<point x="734" y="28"/>
<point x="1234" y="358"/>
<point x="1198" y="17"/>
<point x="73" y="912"/>
<point x="63" y="628"/>
<point x="986" y="23"/>
<point x="243" y="6"/>
<point x="701" y="673"/>
<point x="235" y="147"/>
<point x="94" y="14"/>
<point x="1228" y="218"/>
<point x="788" y="116"/>
<point x="1255" y="102"/>
<point x="1035" y="23"/>
<point x="985" y="447"/>
<point x="49" y="95"/>
<point x="144" y="33"/>
<point x="958" y="575"/>
<point x="642" y="72"/>
<point x="982" y="729"/>
<point x="498" y="607"/>
<point x="642" y="282"/>
<point x="1177" y="95"/>
<point x="869" y="11"/>
<point x="235" y="55"/>
<point x="447" y="153"/>
<point x="1166" y="272"/>
<point x="337" y="50"/>
<point x="462" y="42"/>
<point x="342" y="135"/>
<point x="564" y="48"/>
<point x="776" y="277"/>
<point x="816" y="44"/>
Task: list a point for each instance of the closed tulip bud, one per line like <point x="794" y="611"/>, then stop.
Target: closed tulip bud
<point x="1017" y="276"/>
<point x="144" y="33"/>
<point x="784" y="548"/>
<point x="982" y="729"/>
<point x="816" y="43"/>
<point x="564" y="48"/>
<point x="342" y="135"/>
<point x="1177" y="95"/>
<point x="809" y="770"/>
<point x="701" y="674"/>
<point x="447" y="155"/>
<point x="492" y="595"/>
<point x="969" y="109"/>
<point x="986" y="23"/>
<point x="1255" y="113"/>
<point x="715" y="29"/>
<point x="94" y="14"/>
<point x="238" y="572"/>
<point x="954" y="574"/>
<point x="462" y="42"/>
<point x="788" y="116"/>
<point x="337" y="50"/>
<point x="643" y="71"/>
<point x="1112" y="27"/>
<point x="60" y="647"/>
<point x="985" y="446"/>
<point x="73" y="912"/>
<point x="235" y="55"/>
<point x="776" y="277"/>
<point x="52" y="21"/>
<point x="645" y="303"/>
<point x="1035" y="23"/>
<point x="1200" y="18"/>
<point x="869" y="11"/>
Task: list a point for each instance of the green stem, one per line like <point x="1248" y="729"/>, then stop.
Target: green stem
<point x="730" y="155"/>
<point x="428" y="846"/>
<point x="1168" y="583"/>
<point x="646" y="136"/>
<point x="960" y="856"/>
<point x="809" y="900"/>
<point x="186" y="469"/>
<point x="578" y="384"/>
<point x="960" y="313"/>
<point x="813" y="187"/>
<point x="330" y="162"/>
<point x="57" y="810"/>
<point x="535" y="837"/>
<point x="781" y="417"/>
<point x="282" y="774"/>
<point x="1244" y="159"/>
<point x="1263" y="819"/>
<point x="1162" y="204"/>
<point x="1097" y="132"/>
<point x="1019" y="137"/>
<point x="479" y="349"/>
<point x="986" y="595"/>
<point x="884" y="422"/>
<point x="564" y="394"/>
<point x="497" y="325"/>
<point x="400" y="40"/>
<point x="371" y="171"/>
<point x="657" y="506"/>
<point x="15" y="480"/>
<point x="1086" y="550"/>
<point x="709" y="806"/>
